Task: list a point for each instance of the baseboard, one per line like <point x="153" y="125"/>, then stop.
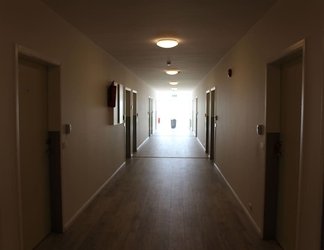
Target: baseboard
<point x="142" y="143"/>
<point x="76" y="215"/>
<point x="242" y="205"/>
<point x="201" y="144"/>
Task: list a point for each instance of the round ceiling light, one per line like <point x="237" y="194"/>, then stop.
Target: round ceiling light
<point x="167" y="43"/>
<point x="172" y="72"/>
<point x="173" y="83"/>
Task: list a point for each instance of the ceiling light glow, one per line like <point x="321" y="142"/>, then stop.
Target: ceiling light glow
<point x="167" y="43"/>
<point x="172" y="72"/>
<point x="173" y="83"/>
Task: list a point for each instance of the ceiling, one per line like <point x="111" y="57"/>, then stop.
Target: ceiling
<point x="128" y="29"/>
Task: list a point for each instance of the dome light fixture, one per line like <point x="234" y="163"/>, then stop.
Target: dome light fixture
<point x="167" y="43"/>
<point x="172" y="72"/>
<point x="173" y="83"/>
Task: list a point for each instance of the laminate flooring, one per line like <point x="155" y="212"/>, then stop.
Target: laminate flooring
<point x="163" y="202"/>
<point x="168" y="143"/>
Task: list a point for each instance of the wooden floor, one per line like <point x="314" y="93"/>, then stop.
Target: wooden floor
<point x="164" y="202"/>
<point x="172" y="143"/>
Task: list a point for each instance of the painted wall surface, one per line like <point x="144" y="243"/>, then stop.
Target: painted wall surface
<point x="241" y="106"/>
<point x="95" y="148"/>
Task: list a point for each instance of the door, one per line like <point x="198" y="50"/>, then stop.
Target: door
<point x="196" y="118"/>
<point x="128" y="124"/>
<point x="150" y="116"/>
<point x="135" y="120"/>
<point x="290" y="131"/>
<point x="215" y="123"/>
<point x="155" y="115"/>
<point x="34" y="169"/>
<point x="207" y="121"/>
<point x="192" y="115"/>
<point x="212" y="125"/>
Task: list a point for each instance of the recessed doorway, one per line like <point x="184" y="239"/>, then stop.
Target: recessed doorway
<point x="39" y="153"/>
<point x="212" y="123"/>
<point x="135" y="121"/>
<point x="283" y="164"/>
<point x="207" y="125"/>
<point x="128" y="123"/>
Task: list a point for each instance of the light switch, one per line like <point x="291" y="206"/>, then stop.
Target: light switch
<point x="259" y="129"/>
<point x="68" y="128"/>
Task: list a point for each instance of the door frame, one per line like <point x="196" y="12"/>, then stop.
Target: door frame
<point x="135" y="121"/>
<point x="322" y="159"/>
<point x="54" y="121"/>
<point x="207" y="125"/>
<point x="128" y="122"/>
<point x="150" y="116"/>
<point x="196" y="116"/>
<point x="212" y="133"/>
<point x="155" y="111"/>
<point x="192" y="115"/>
<point x="270" y="191"/>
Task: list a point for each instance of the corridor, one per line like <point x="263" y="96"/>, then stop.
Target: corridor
<point x="168" y="196"/>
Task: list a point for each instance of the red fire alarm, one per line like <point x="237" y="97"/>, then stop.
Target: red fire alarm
<point x="229" y="72"/>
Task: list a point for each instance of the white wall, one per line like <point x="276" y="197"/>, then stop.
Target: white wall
<point x="95" y="149"/>
<point x="241" y="106"/>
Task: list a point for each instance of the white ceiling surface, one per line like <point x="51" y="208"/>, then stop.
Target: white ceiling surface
<point x="128" y="30"/>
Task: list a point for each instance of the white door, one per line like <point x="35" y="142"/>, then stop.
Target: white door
<point x="150" y="116"/>
<point x="290" y="127"/>
<point x="207" y="104"/>
<point x="211" y="126"/>
<point x="192" y="115"/>
<point x="33" y="133"/>
<point x="135" y="118"/>
<point x="128" y="124"/>
<point x="196" y="118"/>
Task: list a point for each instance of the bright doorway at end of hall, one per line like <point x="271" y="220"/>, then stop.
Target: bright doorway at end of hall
<point x="174" y="106"/>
